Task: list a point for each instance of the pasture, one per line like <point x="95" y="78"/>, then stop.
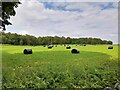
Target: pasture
<point x="95" y="66"/>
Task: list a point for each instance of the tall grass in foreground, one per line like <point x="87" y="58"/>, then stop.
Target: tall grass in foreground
<point x="94" y="67"/>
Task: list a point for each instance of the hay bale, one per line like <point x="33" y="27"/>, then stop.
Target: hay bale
<point x="27" y="51"/>
<point x="84" y="45"/>
<point x="75" y="50"/>
<point x="110" y="47"/>
<point x="68" y="47"/>
<point x="50" y="47"/>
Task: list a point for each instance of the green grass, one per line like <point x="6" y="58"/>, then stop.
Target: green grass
<point x="94" y="67"/>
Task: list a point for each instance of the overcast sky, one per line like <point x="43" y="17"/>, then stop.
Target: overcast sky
<point x="69" y="19"/>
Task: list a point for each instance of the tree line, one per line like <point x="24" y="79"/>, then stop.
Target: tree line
<point x="16" y="39"/>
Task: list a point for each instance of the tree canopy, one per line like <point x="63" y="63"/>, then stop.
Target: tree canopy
<point x="7" y="10"/>
<point x="16" y="39"/>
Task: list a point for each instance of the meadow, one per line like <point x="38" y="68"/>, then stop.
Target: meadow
<point x="94" y="67"/>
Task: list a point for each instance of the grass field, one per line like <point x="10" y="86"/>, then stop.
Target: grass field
<point x="94" y="67"/>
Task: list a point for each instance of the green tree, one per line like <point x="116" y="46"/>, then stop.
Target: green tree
<point x="16" y="39"/>
<point x="56" y="40"/>
<point x="68" y="40"/>
<point x="110" y="42"/>
<point x="7" y="10"/>
<point x="21" y="42"/>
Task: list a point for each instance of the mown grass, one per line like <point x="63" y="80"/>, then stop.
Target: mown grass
<point x="94" y="67"/>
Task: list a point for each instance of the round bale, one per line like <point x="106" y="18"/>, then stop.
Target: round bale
<point x="50" y="47"/>
<point x="27" y="51"/>
<point x="110" y="47"/>
<point x="75" y="50"/>
<point x="68" y="47"/>
<point x="84" y="45"/>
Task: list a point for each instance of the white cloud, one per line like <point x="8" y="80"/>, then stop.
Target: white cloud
<point x="33" y="18"/>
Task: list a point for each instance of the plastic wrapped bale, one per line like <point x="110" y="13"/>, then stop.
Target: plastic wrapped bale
<point x="110" y="47"/>
<point x="50" y="47"/>
<point x="68" y="47"/>
<point x="27" y="51"/>
<point x="84" y="45"/>
<point x="75" y="50"/>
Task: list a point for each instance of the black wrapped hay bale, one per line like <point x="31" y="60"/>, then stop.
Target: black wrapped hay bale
<point x="84" y="45"/>
<point x="75" y="50"/>
<point x="27" y="51"/>
<point x="44" y="45"/>
<point x="110" y="47"/>
<point x="68" y="47"/>
<point x="50" y="47"/>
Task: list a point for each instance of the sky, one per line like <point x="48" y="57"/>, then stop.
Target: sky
<point x="69" y="19"/>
